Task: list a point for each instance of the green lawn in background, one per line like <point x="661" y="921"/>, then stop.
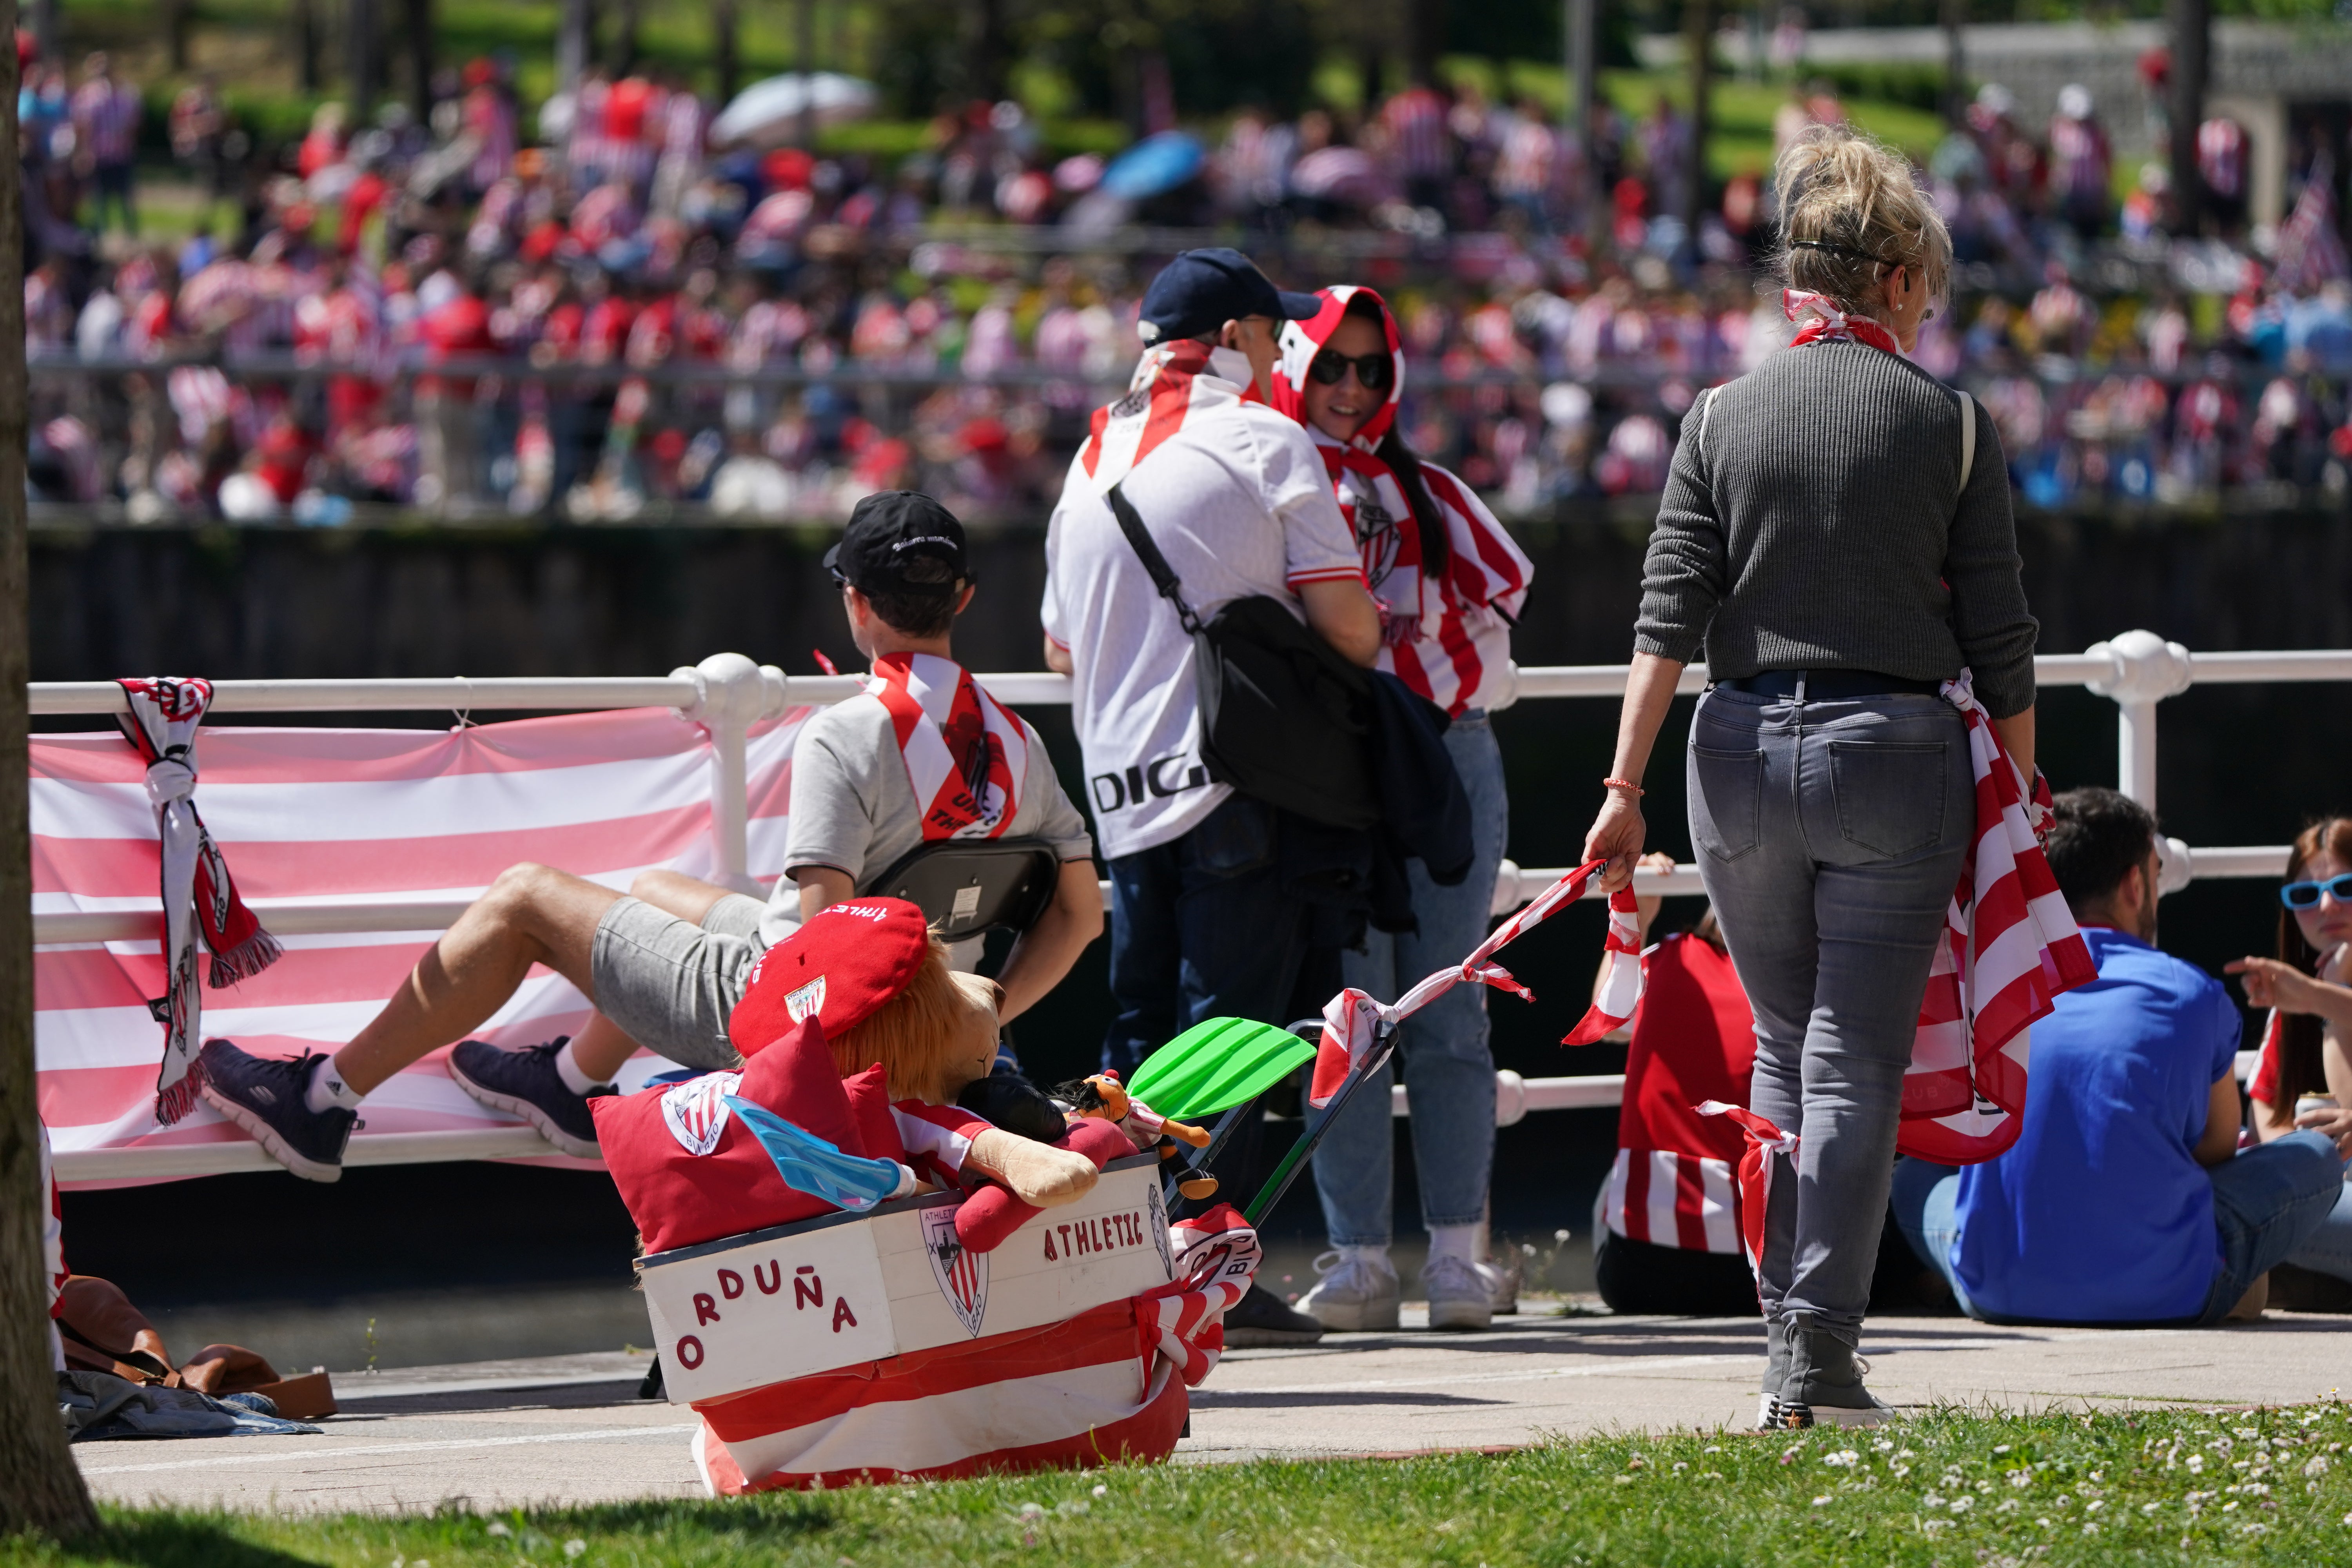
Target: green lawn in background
<point x="1945" y="1488"/>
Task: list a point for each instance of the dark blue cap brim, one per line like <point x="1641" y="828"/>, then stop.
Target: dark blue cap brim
<point x="1298" y="307"/>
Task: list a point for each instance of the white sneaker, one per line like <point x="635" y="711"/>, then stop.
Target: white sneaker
<point x="1460" y="1293"/>
<point x="1352" y="1294"/>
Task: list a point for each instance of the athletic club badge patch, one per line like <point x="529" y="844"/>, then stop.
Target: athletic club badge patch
<point x="1158" y="1225"/>
<point x="962" y="1273"/>
<point x="808" y="999"/>
<point x="696" y="1110"/>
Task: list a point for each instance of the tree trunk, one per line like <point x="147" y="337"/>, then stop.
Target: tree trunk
<point x="418" y="21"/>
<point x="575" y="41"/>
<point x="623" y="52"/>
<point x="2192" y="25"/>
<point x="177" y="14"/>
<point x="1698" y="42"/>
<point x="362" y="37"/>
<point x="1426" y="38"/>
<point x="725" y="62"/>
<point x="306" y="46"/>
<point x="805" y="62"/>
<point x="40" y="1490"/>
<point x="1954" y="16"/>
<point x="983" y="48"/>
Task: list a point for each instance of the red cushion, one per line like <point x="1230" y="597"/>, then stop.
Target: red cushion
<point x="679" y="1197"/>
<point x="841" y="965"/>
<point x="869" y="1106"/>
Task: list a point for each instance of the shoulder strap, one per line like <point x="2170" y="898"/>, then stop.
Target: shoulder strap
<point x="1967" y="437"/>
<point x="1163" y="576"/>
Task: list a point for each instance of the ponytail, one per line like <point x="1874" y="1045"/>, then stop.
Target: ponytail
<point x="1436" y="544"/>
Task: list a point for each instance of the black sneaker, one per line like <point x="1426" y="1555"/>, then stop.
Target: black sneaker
<point x="265" y="1096"/>
<point x="1823" y="1387"/>
<point x="525" y="1083"/>
<point x="1261" y="1319"/>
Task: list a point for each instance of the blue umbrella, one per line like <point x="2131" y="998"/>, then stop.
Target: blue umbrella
<point x="1154" y="165"/>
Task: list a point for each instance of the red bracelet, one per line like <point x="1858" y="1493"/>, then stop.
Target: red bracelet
<point x="1625" y="784"/>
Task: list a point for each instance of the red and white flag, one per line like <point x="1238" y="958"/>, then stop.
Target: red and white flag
<point x="1352" y="1020"/>
<point x="2010" y="948"/>
<point x="425" y="815"/>
<point x="966" y="754"/>
<point x="1765" y="1143"/>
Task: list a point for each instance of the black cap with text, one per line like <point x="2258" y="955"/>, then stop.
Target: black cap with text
<point x="900" y="541"/>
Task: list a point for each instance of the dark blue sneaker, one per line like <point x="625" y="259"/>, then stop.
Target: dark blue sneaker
<point x="525" y="1083"/>
<point x="265" y="1098"/>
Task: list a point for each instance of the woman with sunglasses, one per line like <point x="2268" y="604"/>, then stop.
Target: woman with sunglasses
<point x="2308" y="989"/>
<point x="1449" y="583"/>
<point x="2303" y="1081"/>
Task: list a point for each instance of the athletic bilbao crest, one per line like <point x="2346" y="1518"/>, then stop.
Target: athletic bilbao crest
<point x="962" y="1273"/>
<point x="808" y="999"/>
<point x="1158" y="1225"/>
<point x="696" y="1110"/>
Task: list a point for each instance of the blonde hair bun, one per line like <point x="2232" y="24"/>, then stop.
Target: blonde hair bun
<point x="1850" y="210"/>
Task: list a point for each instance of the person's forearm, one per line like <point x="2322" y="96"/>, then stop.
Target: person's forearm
<point x="1649" y="692"/>
<point x="2016" y="733"/>
<point x="1046" y="952"/>
<point x="820" y="887"/>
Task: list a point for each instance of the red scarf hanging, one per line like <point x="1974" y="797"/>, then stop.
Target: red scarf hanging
<point x="965" y="753"/>
<point x="161" y="723"/>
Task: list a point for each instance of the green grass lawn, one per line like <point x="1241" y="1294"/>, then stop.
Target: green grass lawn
<point x="1944" y="1489"/>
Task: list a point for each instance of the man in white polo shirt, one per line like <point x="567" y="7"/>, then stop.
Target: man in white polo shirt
<point x="1237" y="499"/>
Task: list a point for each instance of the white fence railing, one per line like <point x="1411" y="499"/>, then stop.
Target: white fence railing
<point x="728" y="693"/>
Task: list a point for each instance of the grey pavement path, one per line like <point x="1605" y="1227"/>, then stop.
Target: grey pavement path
<point x="569" y="1429"/>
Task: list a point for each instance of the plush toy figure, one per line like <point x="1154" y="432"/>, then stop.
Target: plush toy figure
<point x="1104" y="1095"/>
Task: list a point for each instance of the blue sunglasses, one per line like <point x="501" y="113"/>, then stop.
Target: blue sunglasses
<point x="2305" y="895"/>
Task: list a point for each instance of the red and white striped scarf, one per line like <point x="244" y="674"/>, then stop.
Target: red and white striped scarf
<point x="1172" y="383"/>
<point x="1352" y="1020"/>
<point x="1830" y="323"/>
<point x="1216" y="1256"/>
<point x="199" y="899"/>
<point x="966" y="754"/>
<point x="2010" y="948"/>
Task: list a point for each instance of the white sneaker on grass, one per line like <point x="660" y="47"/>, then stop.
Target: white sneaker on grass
<point x="1460" y="1293"/>
<point x="1356" y="1292"/>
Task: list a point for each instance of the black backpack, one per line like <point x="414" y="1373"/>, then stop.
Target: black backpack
<point x="1284" y="717"/>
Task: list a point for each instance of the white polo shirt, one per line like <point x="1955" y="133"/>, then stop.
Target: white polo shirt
<point x="1239" y="503"/>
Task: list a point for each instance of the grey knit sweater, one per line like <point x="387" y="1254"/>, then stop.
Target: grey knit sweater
<point x="1813" y="520"/>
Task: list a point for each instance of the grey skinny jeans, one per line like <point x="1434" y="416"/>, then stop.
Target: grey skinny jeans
<point x="1830" y="836"/>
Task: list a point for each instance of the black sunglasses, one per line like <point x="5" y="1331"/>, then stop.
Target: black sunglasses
<point x="2305" y="895"/>
<point x="1373" y="371"/>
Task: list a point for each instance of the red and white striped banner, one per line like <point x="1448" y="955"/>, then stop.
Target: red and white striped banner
<point x="1672" y="1199"/>
<point x="350" y="814"/>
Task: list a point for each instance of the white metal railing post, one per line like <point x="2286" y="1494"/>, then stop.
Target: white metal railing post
<point x="731" y="694"/>
<point x="2146" y="670"/>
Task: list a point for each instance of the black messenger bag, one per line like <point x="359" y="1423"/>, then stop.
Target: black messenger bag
<point x="1284" y="717"/>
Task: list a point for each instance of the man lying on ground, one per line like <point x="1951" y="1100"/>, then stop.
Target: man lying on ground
<point x="667" y="964"/>
<point x="2124" y="1198"/>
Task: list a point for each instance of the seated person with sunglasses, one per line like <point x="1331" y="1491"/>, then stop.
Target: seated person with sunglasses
<point x="2303" y="1081"/>
<point x="667" y="964"/>
<point x="2124" y="1198"/>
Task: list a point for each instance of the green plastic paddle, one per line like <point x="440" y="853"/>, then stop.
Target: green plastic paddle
<point x="1215" y="1065"/>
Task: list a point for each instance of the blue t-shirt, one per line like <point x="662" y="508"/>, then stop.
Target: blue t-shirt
<point x="2100" y="1213"/>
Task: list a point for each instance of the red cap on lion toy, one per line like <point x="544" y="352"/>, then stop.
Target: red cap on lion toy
<point x="841" y="966"/>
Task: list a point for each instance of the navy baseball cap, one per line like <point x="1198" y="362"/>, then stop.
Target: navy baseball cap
<point x="900" y="541"/>
<point x="1200" y="290"/>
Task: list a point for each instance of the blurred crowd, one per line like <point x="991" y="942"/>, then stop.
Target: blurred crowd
<point x="596" y="312"/>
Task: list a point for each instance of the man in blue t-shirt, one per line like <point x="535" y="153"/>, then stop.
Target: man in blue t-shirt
<point x="2124" y="1198"/>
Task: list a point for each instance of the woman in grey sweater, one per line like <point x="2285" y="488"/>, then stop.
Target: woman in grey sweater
<point x="1817" y="543"/>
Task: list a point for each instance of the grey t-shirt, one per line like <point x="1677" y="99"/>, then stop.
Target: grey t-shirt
<point x="853" y="807"/>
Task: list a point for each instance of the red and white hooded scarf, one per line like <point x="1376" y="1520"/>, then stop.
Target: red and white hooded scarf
<point x="1449" y="636"/>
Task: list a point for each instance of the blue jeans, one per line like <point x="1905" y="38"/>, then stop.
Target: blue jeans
<point x="1449" y="1073"/>
<point x="1830" y="837"/>
<point x="1201" y="928"/>
<point x="2274" y="1203"/>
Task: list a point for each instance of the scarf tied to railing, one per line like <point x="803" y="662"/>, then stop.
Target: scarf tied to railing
<point x="1352" y="1020"/>
<point x="200" y="900"/>
<point x="1831" y="323"/>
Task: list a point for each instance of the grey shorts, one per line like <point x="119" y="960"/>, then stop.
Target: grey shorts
<point x="671" y="985"/>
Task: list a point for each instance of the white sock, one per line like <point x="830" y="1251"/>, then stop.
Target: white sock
<point x="1453" y="1241"/>
<point x="327" y="1087"/>
<point x="575" y="1078"/>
